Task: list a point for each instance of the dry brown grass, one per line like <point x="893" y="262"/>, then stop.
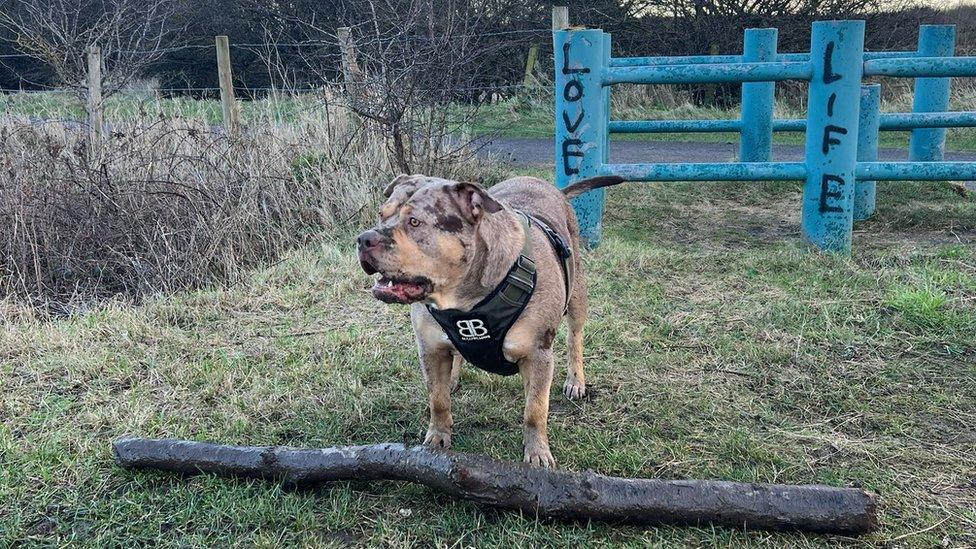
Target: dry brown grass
<point x="166" y="205"/>
<point x="170" y="202"/>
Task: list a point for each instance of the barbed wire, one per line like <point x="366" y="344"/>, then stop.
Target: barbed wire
<point x="170" y="49"/>
<point x="14" y="91"/>
<point x="301" y="44"/>
<point x="287" y="89"/>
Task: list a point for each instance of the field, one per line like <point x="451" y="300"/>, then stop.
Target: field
<point x="717" y="347"/>
<point x="527" y="114"/>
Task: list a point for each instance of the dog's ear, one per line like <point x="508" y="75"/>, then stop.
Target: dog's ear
<point x="401" y="179"/>
<point x="499" y="234"/>
<point x="474" y="201"/>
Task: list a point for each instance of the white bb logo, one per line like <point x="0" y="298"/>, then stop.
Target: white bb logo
<point x="472" y="329"/>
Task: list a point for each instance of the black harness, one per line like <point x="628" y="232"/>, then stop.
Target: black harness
<point x="479" y="334"/>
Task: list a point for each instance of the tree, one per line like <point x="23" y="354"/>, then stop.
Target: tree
<point x="132" y="34"/>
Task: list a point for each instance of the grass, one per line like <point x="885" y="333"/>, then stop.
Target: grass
<point x="132" y="105"/>
<point x="527" y="116"/>
<point x="168" y="205"/>
<point x="717" y="347"/>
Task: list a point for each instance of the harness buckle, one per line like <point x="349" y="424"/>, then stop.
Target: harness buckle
<point x="564" y="251"/>
<point x="526" y="266"/>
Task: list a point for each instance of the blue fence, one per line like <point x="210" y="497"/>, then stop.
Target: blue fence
<point x="842" y="124"/>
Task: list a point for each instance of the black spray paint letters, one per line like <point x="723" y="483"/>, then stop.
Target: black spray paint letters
<point x="572" y="93"/>
<point x="826" y="193"/>
<point x="831" y="185"/>
<point x="828" y="140"/>
<point x="828" y="64"/>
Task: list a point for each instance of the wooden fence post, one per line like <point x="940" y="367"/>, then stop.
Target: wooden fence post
<point x="352" y="74"/>
<point x="530" y="60"/>
<point x="95" y="118"/>
<point x="226" y="78"/>
<point x="560" y="17"/>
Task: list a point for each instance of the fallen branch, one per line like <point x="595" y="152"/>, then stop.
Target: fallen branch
<point x="534" y="491"/>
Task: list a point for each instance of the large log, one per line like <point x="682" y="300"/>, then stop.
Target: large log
<point x="535" y="491"/>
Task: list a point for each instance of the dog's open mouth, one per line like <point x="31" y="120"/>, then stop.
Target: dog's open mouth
<point x="402" y="290"/>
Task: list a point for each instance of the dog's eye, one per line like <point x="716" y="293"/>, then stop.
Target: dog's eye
<point x="413" y="222"/>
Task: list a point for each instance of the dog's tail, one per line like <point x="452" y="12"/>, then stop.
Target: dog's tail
<point x="586" y="185"/>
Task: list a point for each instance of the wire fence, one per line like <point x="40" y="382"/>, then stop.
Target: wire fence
<point x="302" y="44"/>
<point x="526" y="94"/>
<point x="331" y="59"/>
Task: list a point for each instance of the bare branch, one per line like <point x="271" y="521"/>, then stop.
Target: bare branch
<point x="533" y="490"/>
<point x="131" y="34"/>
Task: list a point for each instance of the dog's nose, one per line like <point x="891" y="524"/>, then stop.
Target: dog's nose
<point x="368" y="240"/>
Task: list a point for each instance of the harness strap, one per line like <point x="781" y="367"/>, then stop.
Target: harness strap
<point x="519" y="283"/>
<point x="479" y="334"/>
<point x="563" y="252"/>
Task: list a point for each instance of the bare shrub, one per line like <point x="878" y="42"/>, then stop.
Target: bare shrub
<point x="132" y="35"/>
<point x="170" y="204"/>
<point x="418" y="70"/>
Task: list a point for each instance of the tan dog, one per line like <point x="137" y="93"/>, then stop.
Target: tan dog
<point x="448" y="245"/>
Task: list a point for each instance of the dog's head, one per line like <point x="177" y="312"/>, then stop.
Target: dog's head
<point x="432" y="235"/>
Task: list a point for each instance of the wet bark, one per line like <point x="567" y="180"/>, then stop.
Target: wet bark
<point x="534" y="491"/>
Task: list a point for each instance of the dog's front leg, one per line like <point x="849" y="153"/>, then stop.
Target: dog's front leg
<point x="536" y="370"/>
<point x="437" y="372"/>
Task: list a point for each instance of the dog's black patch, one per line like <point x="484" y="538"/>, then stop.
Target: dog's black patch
<point x="548" y="337"/>
<point x="450" y="223"/>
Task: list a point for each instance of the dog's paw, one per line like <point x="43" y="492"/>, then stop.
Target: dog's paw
<point x="538" y="454"/>
<point x="574" y="389"/>
<point x="437" y="438"/>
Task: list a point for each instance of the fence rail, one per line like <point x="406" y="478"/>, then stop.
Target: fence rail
<point x="843" y="118"/>
<point x="708" y="73"/>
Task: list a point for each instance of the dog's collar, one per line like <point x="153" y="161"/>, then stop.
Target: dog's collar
<point x="479" y="334"/>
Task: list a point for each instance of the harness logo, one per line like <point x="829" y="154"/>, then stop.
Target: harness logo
<point x="472" y="329"/>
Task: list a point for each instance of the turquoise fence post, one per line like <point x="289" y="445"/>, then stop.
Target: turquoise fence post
<point x="756" y="140"/>
<point x="833" y="103"/>
<point x="868" y="127"/>
<point x="607" y="92"/>
<point x="931" y="94"/>
<point x="581" y="120"/>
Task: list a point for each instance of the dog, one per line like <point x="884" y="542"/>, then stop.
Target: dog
<point x="447" y="248"/>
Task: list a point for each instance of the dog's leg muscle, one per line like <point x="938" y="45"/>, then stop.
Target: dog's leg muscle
<point x="575" y="385"/>
<point x="536" y="373"/>
<point x="437" y="366"/>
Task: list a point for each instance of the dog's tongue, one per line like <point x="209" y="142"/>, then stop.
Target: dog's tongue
<point x="399" y="291"/>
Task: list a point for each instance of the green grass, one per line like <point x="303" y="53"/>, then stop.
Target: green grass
<point x="717" y="347"/>
<point x="143" y="105"/>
